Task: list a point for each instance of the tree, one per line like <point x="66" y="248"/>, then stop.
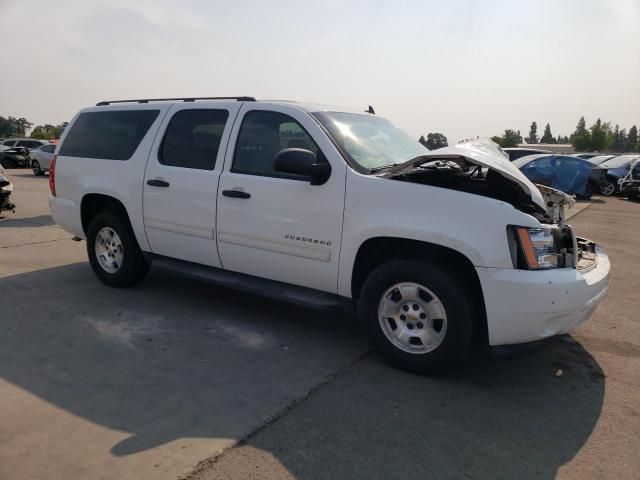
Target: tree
<point x="5" y="127"/>
<point x="581" y="138"/>
<point x="48" y="132"/>
<point x="533" y="133"/>
<point x="632" y="139"/>
<point x="423" y="141"/>
<point x="435" y="140"/>
<point x="617" y="140"/>
<point x="511" y="138"/>
<point x="547" y="137"/>
<point x="600" y="138"/>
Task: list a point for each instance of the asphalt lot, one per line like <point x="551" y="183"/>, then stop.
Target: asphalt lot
<point x="163" y="380"/>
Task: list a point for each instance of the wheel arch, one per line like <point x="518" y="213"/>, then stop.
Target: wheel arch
<point x="378" y="250"/>
<point x="94" y="203"/>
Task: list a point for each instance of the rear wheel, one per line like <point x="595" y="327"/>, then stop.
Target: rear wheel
<point x="113" y="251"/>
<point x="418" y="315"/>
<point x="588" y="193"/>
<point x="35" y="166"/>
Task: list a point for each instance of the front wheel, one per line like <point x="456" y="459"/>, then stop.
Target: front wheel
<point x="418" y="315"/>
<point x="113" y="251"/>
<point x="608" y="189"/>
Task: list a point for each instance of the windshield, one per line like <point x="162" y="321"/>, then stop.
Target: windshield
<point x="617" y="162"/>
<point x="371" y="142"/>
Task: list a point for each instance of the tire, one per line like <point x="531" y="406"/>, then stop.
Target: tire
<point x="608" y="189"/>
<point x="448" y="346"/>
<point x="122" y="263"/>
<point x="35" y="166"/>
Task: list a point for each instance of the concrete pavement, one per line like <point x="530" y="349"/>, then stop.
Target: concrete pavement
<point x="162" y="380"/>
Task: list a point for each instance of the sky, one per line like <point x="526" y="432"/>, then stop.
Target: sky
<point x="460" y="67"/>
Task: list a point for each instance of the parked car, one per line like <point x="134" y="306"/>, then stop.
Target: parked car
<point x="598" y="159"/>
<point x="615" y="169"/>
<point x="14" y="157"/>
<point x="571" y="175"/>
<point x="630" y="183"/>
<point x="585" y="156"/>
<point x="28" y="143"/>
<point x="41" y="158"/>
<point x="324" y="206"/>
<point x="515" y="153"/>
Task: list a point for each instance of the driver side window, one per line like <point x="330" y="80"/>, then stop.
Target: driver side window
<point x="261" y="136"/>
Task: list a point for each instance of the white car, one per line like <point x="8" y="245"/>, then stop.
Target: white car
<point x="320" y="206"/>
<point x="41" y="158"/>
<point x="6" y="189"/>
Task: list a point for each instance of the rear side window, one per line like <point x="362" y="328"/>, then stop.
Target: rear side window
<point x="9" y="142"/>
<point x="262" y="135"/>
<point x="112" y="135"/>
<point x="29" y="144"/>
<point x="193" y="138"/>
<point x="48" y="148"/>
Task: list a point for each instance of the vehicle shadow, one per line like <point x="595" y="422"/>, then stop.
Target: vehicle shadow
<point x="512" y="418"/>
<point x="169" y="359"/>
<point x="24" y="173"/>
<point x="176" y="358"/>
<point x="38" y="221"/>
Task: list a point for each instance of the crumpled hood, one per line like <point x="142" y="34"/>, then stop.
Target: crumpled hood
<point x="483" y="153"/>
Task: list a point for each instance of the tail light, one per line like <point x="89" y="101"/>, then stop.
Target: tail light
<point x="52" y="175"/>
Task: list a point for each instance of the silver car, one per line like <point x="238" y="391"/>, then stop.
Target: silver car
<point x="41" y="158"/>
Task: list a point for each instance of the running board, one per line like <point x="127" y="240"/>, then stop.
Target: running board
<point x="306" y="297"/>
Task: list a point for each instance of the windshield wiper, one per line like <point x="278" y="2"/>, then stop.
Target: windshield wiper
<point x="383" y="167"/>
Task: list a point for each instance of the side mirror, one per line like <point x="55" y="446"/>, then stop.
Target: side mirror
<point x="300" y="161"/>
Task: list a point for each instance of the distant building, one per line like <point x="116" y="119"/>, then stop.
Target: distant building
<point x="565" y="148"/>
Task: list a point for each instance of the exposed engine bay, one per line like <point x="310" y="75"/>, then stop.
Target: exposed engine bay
<point x="456" y="175"/>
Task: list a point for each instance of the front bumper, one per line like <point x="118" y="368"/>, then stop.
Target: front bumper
<point x="526" y="306"/>
<point x="630" y="188"/>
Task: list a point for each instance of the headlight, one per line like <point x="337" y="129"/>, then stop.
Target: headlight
<point x="541" y="248"/>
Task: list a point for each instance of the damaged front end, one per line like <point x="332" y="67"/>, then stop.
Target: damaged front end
<point x="480" y="168"/>
<point x="6" y="189"/>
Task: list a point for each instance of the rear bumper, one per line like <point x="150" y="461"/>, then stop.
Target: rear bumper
<point x="66" y="213"/>
<point x="527" y="306"/>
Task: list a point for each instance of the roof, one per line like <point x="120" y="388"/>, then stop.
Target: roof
<point x="309" y="107"/>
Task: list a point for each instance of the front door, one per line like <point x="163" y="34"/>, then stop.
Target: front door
<point x="181" y="181"/>
<point x="275" y="225"/>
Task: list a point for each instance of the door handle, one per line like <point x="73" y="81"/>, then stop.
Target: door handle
<point x="157" y="183"/>
<point x="236" y="194"/>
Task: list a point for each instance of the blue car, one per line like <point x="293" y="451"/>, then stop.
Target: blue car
<point x="571" y="175"/>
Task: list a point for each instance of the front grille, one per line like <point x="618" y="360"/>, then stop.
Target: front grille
<point x="586" y="253"/>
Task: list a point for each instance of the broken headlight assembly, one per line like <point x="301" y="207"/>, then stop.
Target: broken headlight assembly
<point x="542" y="248"/>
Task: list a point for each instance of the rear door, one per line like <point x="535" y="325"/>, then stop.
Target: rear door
<point x="181" y="181"/>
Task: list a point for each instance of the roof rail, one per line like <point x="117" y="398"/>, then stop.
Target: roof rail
<point x="183" y="99"/>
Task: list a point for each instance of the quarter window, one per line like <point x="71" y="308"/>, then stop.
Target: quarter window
<point x="110" y="135"/>
<point x="262" y="135"/>
<point x="193" y="138"/>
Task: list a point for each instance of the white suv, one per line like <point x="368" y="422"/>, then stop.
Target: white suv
<point x="317" y="205"/>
